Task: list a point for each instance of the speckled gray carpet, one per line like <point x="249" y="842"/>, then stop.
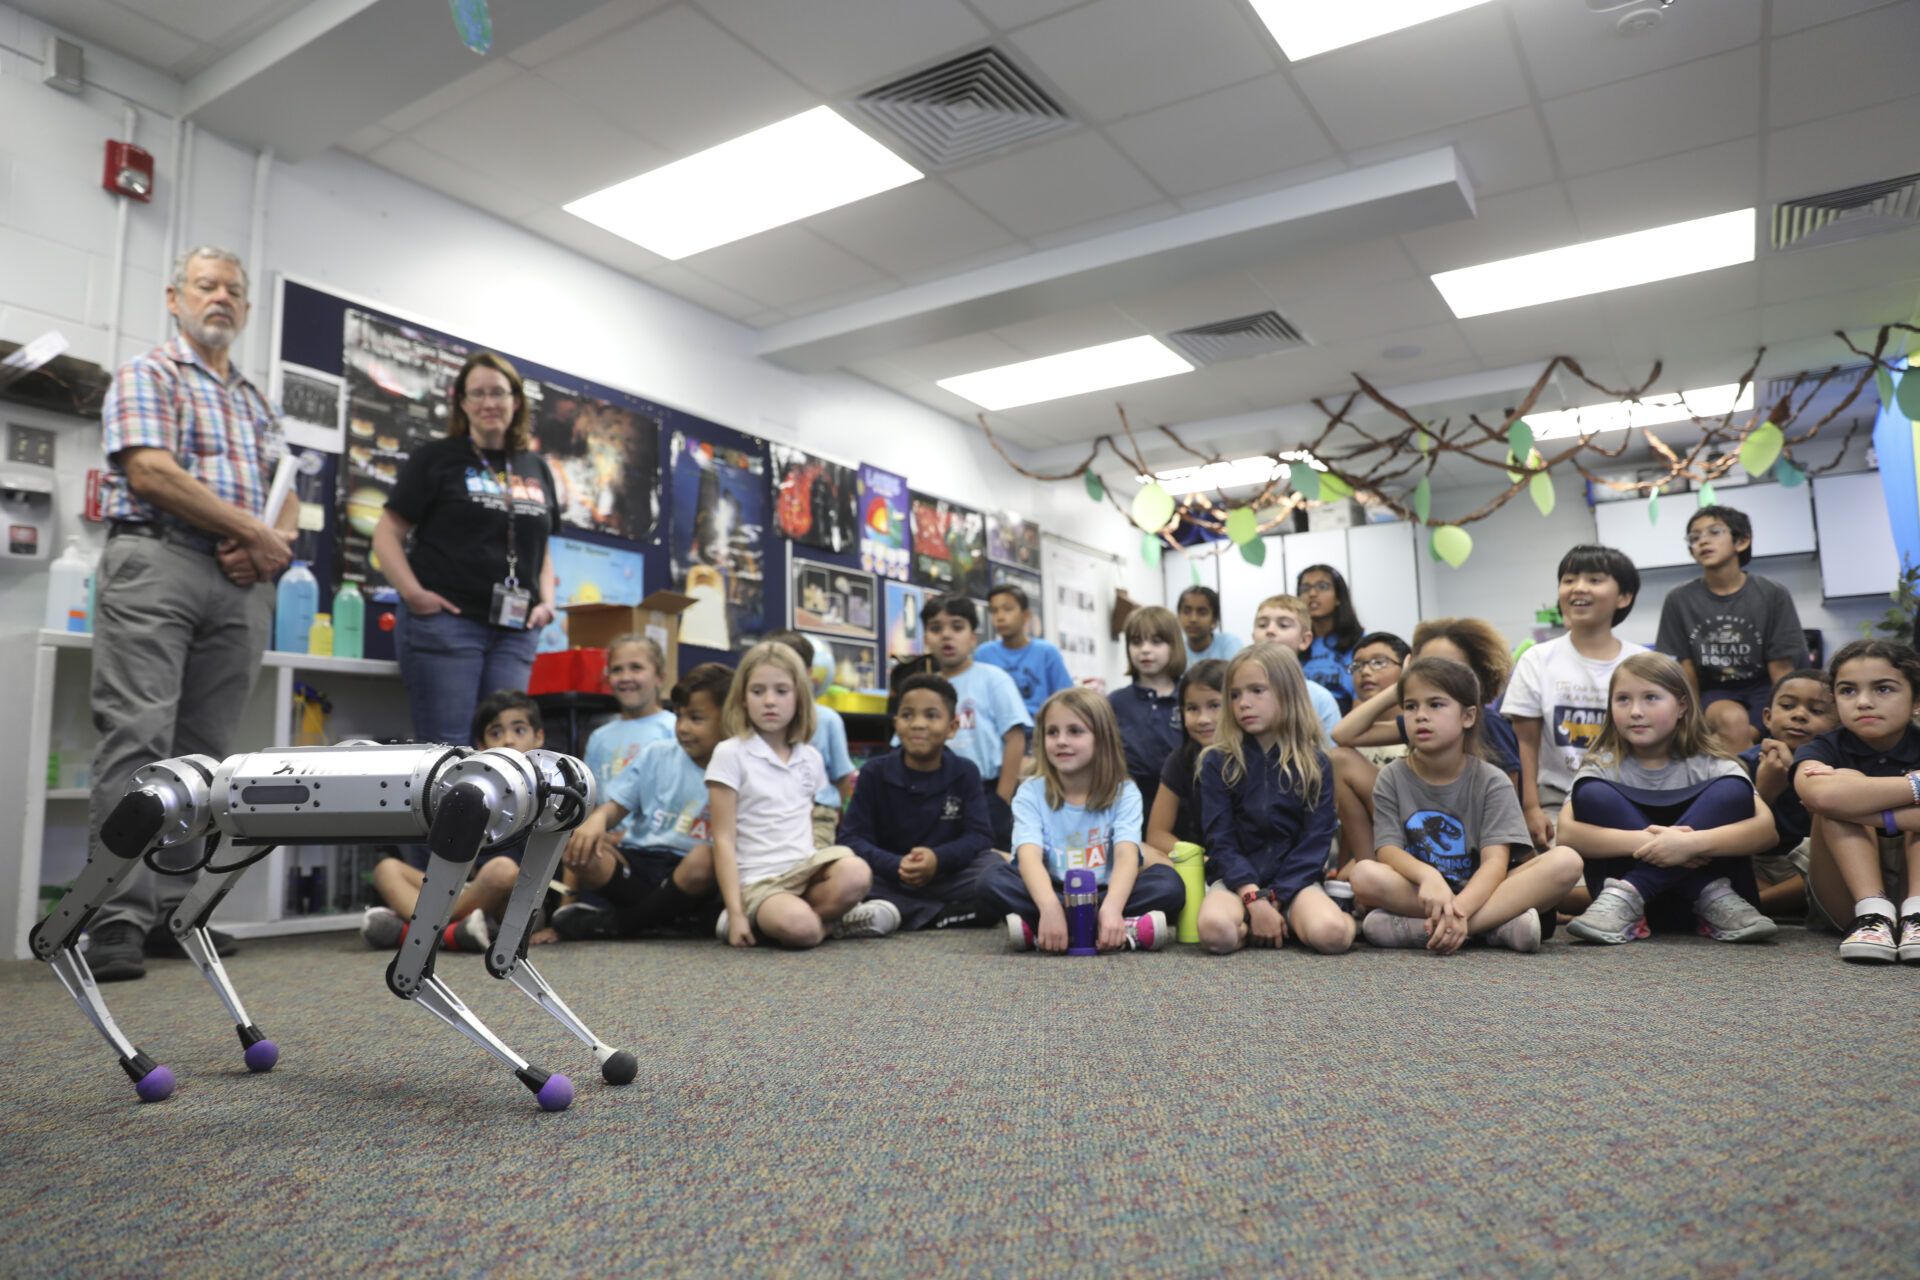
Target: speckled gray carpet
<point x="933" y="1105"/>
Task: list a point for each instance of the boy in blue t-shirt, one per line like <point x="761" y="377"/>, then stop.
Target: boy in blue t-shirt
<point x="662" y="869"/>
<point x="635" y="667"/>
<point x="830" y="740"/>
<point x="919" y="815"/>
<point x="992" y="720"/>
<point x="1036" y="666"/>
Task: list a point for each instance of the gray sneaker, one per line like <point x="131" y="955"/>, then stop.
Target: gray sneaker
<point x="381" y="929"/>
<point x="1618" y="914"/>
<point x="1725" y="915"/>
<point x="874" y="918"/>
<point x="1522" y="933"/>
<point x="1385" y="929"/>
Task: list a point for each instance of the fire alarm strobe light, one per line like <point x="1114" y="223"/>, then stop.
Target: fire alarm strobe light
<point x="129" y="171"/>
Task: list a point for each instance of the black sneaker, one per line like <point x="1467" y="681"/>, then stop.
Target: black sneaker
<point x="578" y="922"/>
<point x="114" y="953"/>
<point x="162" y="945"/>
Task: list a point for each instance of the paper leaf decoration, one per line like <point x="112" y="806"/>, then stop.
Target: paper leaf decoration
<point x="1883" y="382"/>
<point x="1653" y="507"/>
<point x="1152" y="508"/>
<point x="1193" y="568"/>
<point x="1761" y="447"/>
<point x="1706" y="493"/>
<point x="1305" y="481"/>
<point x="1540" y="487"/>
<point x="1452" y="544"/>
<point x="1254" y="552"/>
<point x="1095" y="489"/>
<point x="1907" y="394"/>
<point x="1333" y="488"/>
<point x="1787" y="474"/>
<point x="1241" y="526"/>
<point x="1423" y="499"/>
<point x="1150" y="550"/>
<point x="1520" y="438"/>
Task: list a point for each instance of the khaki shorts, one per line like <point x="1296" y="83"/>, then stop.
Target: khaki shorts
<point x="1378" y="756"/>
<point x="1775" y="868"/>
<point x="793" y="880"/>
<point x="1893" y="874"/>
<point x="826" y="825"/>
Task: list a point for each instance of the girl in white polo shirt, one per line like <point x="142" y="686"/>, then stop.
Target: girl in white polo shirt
<point x="760" y="786"/>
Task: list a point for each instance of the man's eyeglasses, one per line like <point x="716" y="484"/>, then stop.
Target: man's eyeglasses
<point x="1372" y="664"/>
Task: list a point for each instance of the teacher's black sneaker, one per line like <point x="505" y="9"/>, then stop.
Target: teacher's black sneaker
<point x="1870" y="941"/>
<point x="115" y="952"/>
<point x="1618" y="914"/>
<point x="578" y="922"/>
<point x="1728" y="917"/>
<point x="162" y="945"/>
<point x="874" y="918"/>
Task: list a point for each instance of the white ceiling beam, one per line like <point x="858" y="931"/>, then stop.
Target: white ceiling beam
<point x="1380" y="200"/>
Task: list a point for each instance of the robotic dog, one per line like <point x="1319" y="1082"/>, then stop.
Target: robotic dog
<point x="461" y="802"/>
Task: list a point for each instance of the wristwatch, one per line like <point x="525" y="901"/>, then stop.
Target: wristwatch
<point x="1251" y="896"/>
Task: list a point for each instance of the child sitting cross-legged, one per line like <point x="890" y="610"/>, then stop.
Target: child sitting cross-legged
<point x="635" y="667"/>
<point x="1661" y="811"/>
<point x="1081" y="812"/>
<point x="760" y="787"/>
<point x="1799" y="709"/>
<point x="1446" y="823"/>
<point x="919" y="815"/>
<point x="661" y="870"/>
<point x="1174" y="817"/>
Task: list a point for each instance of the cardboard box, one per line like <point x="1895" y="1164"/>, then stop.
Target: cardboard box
<point x="595" y="626"/>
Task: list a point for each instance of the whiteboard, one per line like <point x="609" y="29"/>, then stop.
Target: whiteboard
<point x="1857" y="555"/>
<point x="1386" y="577"/>
<point x="1782" y="524"/>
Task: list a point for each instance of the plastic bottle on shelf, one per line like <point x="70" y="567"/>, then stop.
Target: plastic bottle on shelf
<point x="68" y="591"/>
<point x="320" y="636"/>
<point x="296" y="600"/>
<point x="349" y="622"/>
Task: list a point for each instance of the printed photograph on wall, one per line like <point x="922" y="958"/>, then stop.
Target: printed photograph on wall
<point x="718" y="540"/>
<point x="949" y="546"/>
<point x="1003" y="576"/>
<point x="837" y="601"/>
<point x="883" y="524"/>
<point x="906" y="638"/>
<point x="605" y="460"/>
<point x="1013" y="541"/>
<point x="312" y="407"/>
<point x="851" y="664"/>
<point x="815" y="502"/>
<point x="590" y="573"/>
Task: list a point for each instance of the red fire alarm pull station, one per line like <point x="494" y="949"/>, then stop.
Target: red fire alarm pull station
<point x="129" y="171"/>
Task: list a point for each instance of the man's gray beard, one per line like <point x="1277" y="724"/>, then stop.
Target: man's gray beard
<point x="206" y="336"/>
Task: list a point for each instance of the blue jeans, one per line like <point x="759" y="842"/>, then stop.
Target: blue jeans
<point x="448" y="662"/>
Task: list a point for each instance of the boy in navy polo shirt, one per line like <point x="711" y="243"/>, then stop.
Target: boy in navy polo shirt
<point x="1036" y="666"/>
<point x="919" y="814"/>
<point x="1799" y="710"/>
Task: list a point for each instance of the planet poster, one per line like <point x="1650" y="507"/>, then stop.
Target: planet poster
<point x="605" y="460"/>
<point x="1013" y="541"/>
<point x="815" y="502"/>
<point x="883" y="524"/>
<point x="719" y="526"/>
<point x="949" y="546"/>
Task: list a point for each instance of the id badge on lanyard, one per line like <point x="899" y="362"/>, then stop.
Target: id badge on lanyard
<point x="511" y="601"/>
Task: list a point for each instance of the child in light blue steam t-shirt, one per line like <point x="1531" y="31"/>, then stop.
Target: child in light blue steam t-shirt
<point x="635" y="668"/>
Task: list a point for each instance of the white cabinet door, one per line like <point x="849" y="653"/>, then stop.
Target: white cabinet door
<point x="1385" y="577"/>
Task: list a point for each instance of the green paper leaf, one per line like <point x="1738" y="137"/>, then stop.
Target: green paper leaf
<point x="1541" y="489"/>
<point x="1333" y="488"/>
<point x="1150" y="549"/>
<point x="1242" y="528"/>
<point x="1254" y="552"/>
<point x="1152" y="508"/>
<point x="1423" y="442"/>
<point x="1423" y="499"/>
<point x="1883" y="382"/>
<point x="1452" y="544"/>
<point x="1706" y="493"/>
<point x="1513" y="477"/>
<point x="1305" y="481"/>
<point x="1520" y="438"/>
<point x="1787" y="474"/>
<point x="1653" y="507"/>
<point x="1761" y="447"/>
<point x="1907" y="395"/>
<point x="1193" y="568"/>
<point x="1433" y="551"/>
<point x="1095" y="489"/>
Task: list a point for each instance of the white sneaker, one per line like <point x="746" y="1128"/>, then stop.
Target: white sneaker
<point x="1148" y="932"/>
<point x="1725" y="915"/>
<point x="1522" y="933"/>
<point x="720" y="928"/>
<point x="1019" y="934"/>
<point x="874" y="918"/>
<point x="1385" y="929"/>
<point x="381" y="929"/>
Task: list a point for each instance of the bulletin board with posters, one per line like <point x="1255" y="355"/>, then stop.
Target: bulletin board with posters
<point x="386" y="377"/>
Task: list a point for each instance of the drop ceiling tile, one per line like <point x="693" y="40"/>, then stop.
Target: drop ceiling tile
<point x="1840" y="268"/>
<point x="1695" y="302"/>
<point x="1008" y="14"/>
<point x="783" y="266"/>
<point x="955" y="356"/>
<point x="971" y="262"/>
<point x="1506" y="227"/>
<point x="1575" y="327"/>
<point x="528" y="134"/>
<point x="679" y="279"/>
<point x="207" y="20"/>
<point x="1361" y="310"/>
<point x="1843" y="151"/>
<point x="113" y="27"/>
<point x="1068" y="331"/>
<point x="911" y="228"/>
<point x="1844" y="66"/>
<point x="680" y="81"/>
<point x="836" y="47"/>
<point x="1441" y="346"/>
<point x="1456" y="68"/>
<point x="486" y="76"/>
<point x="1195" y="303"/>
<point x="1055" y="185"/>
<point x="366" y="140"/>
<point x="1688" y="357"/>
<point x="583" y="31"/>
<point x="1695" y="184"/>
<point x="1570" y="48"/>
<point x="1116" y="58"/>
<point x="761" y="319"/>
<point x="1683" y="108"/>
<point x="1252" y="129"/>
<point x="1137" y="217"/>
<point x="1797" y="15"/>
<point x="1216" y="196"/>
<point x="846" y="297"/>
<point x="1069" y="419"/>
<point x="583" y="237"/>
<point x="1504" y="152"/>
<point x="429" y="168"/>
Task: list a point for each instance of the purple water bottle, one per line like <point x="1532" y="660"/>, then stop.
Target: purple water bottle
<point x="1081" y="897"/>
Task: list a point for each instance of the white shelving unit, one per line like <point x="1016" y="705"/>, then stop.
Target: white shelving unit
<point x="52" y="821"/>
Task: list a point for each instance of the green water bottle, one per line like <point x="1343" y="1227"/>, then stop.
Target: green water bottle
<point x="1190" y="861"/>
<point x="349" y="622"/>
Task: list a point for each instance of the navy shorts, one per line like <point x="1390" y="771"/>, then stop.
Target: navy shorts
<point x="632" y="884"/>
<point x="1753" y="696"/>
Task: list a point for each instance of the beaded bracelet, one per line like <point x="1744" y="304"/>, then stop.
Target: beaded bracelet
<point x="1913" y="780"/>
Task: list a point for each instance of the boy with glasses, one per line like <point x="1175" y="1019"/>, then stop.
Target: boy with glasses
<point x="1734" y="633"/>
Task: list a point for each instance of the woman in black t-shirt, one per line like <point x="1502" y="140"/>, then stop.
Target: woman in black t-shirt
<point x="464" y="541"/>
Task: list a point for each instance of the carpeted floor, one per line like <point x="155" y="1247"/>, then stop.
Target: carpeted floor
<point x="933" y="1105"/>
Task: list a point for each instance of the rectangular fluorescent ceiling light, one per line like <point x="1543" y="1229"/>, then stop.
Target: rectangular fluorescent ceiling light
<point x="787" y="171"/>
<point x="1708" y="402"/>
<point x="1239" y="473"/>
<point x="1640" y="257"/>
<point x="1113" y="364"/>
<point x="1306" y="27"/>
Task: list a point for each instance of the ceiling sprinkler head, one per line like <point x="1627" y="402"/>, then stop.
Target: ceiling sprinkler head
<point x="1637" y="21"/>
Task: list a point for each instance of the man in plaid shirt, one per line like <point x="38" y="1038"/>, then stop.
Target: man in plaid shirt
<point x="184" y="607"/>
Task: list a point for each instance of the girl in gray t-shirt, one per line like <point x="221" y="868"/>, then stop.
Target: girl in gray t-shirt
<point x="1660" y="810"/>
<point x="1445" y="822"/>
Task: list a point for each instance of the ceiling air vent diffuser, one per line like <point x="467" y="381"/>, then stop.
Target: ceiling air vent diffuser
<point x="1237" y="339"/>
<point x="1851" y="214"/>
<point x="965" y="108"/>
